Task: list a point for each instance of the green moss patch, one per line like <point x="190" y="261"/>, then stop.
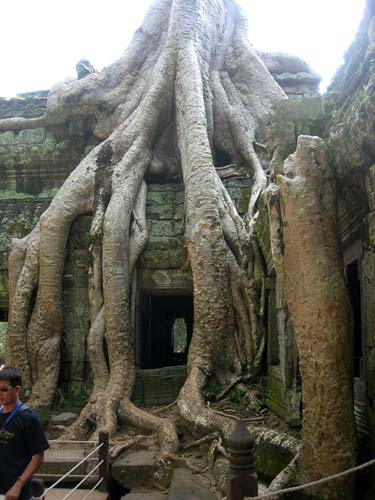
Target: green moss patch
<point x="271" y="459"/>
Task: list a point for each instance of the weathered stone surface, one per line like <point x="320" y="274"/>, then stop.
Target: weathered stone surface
<point x="29" y="105"/>
<point x="76" y="307"/>
<point x="369" y="308"/>
<point x="134" y="470"/>
<point x="144" y="495"/>
<point x="188" y="486"/>
<point x="351" y="102"/>
<point x="291" y="118"/>
<point x="65" y="418"/>
<point x="158" y="386"/>
<point x="270" y="460"/>
<point x="60" y="461"/>
<point x="293" y="74"/>
<point x="17" y="218"/>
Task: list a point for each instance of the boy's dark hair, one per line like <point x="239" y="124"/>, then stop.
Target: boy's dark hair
<point x="11" y="374"/>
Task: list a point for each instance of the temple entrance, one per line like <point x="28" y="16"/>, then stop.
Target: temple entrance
<point x="354" y="287"/>
<point x="166" y="329"/>
<point x="353" y="273"/>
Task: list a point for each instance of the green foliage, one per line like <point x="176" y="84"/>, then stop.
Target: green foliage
<point x="270" y="460"/>
<point x="179" y="335"/>
<point x="212" y="391"/>
<point x="236" y="396"/>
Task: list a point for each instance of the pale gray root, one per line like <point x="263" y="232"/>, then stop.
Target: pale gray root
<point x="214" y="326"/>
<point x="200" y="419"/>
<point x="272" y="436"/>
<point x="96" y="298"/>
<point x="126" y="183"/>
<point x="122" y="244"/>
<point x="164" y="78"/>
<point x="23" y="272"/>
<point x="138" y="240"/>
<point x="102" y="94"/>
<point x="243" y="132"/>
<point x="41" y="274"/>
<point x="139" y="234"/>
<point x="44" y="329"/>
<point x="163" y="427"/>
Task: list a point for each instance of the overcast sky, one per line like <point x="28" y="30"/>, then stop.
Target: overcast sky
<point x="41" y="40"/>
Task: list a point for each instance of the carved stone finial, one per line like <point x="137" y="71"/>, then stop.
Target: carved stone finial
<point x="241" y="448"/>
<point x="242" y="480"/>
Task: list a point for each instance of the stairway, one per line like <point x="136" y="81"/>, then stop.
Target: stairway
<point x="79" y="494"/>
<point x="59" y="459"/>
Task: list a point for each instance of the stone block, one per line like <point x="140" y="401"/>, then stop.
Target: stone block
<point x="134" y="469"/>
<point x="156" y="259"/>
<point x="180" y="197"/>
<point x="65" y="418"/>
<point x="59" y="461"/>
<point x="162" y="228"/>
<point x="159" y="205"/>
<point x="177" y="256"/>
<point x="156" y="279"/>
<point x="158" y="386"/>
<point x="188" y="486"/>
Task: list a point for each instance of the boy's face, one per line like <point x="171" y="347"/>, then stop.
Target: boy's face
<point x="8" y="394"/>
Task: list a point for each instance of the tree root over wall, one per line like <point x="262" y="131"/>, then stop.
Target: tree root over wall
<point x="188" y="83"/>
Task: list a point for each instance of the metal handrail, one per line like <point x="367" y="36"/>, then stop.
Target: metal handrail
<point x="83" y="480"/>
<point x="72" y="469"/>
<point x="93" y="488"/>
<point x="102" y="465"/>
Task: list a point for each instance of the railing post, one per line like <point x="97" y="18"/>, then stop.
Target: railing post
<point x="37" y="487"/>
<point x="104" y="466"/>
<point x="242" y="479"/>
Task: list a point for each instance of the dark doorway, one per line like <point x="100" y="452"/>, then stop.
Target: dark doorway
<point x="354" y="287"/>
<point x="353" y="277"/>
<point x="167" y="327"/>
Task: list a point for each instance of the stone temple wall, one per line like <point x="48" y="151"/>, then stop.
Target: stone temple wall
<point x="33" y="165"/>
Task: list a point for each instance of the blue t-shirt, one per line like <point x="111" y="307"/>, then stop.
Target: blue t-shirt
<point x="22" y="438"/>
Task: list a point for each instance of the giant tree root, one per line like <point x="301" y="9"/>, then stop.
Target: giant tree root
<point x="188" y="85"/>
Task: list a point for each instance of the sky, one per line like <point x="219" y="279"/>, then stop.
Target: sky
<point x="42" y="40"/>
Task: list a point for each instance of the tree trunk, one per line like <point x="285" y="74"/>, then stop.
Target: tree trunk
<point x="307" y="260"/>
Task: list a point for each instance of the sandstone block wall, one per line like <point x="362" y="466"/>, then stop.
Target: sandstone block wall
<point x="33" y="165"/>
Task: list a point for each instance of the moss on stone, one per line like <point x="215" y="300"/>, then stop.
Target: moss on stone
<point x="271" y="459"/>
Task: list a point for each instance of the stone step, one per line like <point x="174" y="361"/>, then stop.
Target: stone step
<point x="144" y="495"/>
<point x="79" y="494"/>
<point x="188" y="486"/>
<point x="135" y="470"/>
<point x="60" y="461"/>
